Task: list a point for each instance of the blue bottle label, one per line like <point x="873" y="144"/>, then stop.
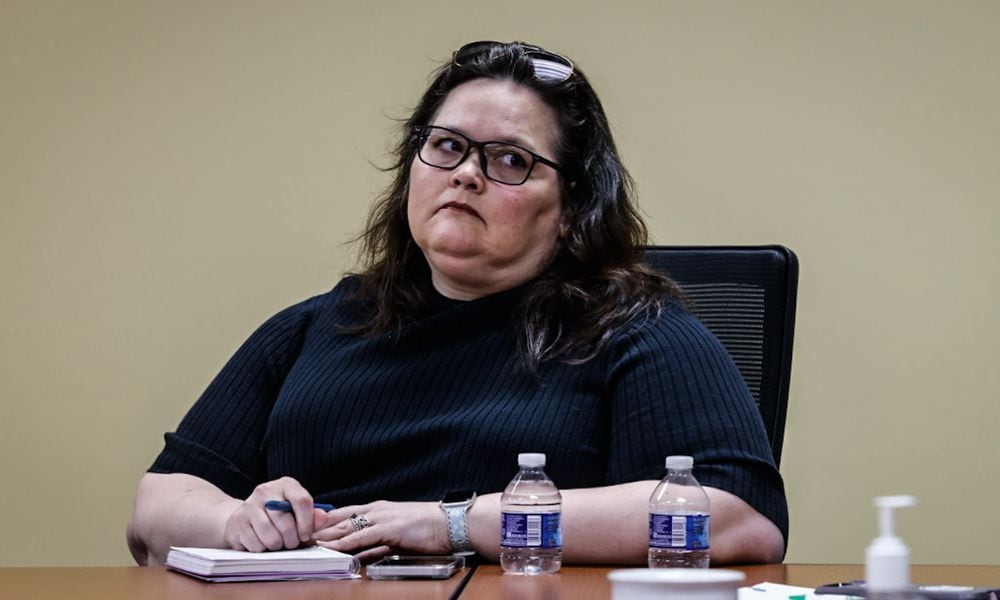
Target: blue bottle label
<point x="531" y="530"/>
<point x="684" y="532"/>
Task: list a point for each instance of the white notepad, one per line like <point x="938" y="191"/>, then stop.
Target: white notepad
<point x="215" y="564"/>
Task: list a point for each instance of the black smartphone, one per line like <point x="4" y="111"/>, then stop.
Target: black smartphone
<point x="415" y="567"/>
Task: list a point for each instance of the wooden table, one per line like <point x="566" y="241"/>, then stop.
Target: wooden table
<point x="591" y="583"/>
<point x="157" y="583"/>
<point x="486" y="583"/>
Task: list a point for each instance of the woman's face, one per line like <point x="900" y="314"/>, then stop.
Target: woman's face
<point x="480" y="236"/>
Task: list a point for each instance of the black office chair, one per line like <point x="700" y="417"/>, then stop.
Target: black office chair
<point x="746" y="296"/>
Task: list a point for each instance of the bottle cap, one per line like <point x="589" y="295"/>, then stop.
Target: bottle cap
<point x="531" y="459"/>
<point x="887" y="559"/>
<point x="680" y="462"/>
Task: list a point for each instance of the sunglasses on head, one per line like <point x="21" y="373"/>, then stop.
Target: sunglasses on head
<point x="549" y="66"/>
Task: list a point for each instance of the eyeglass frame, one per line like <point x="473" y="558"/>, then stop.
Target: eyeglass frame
<point x="422" y="133"/>
<point x="473" y="48"/>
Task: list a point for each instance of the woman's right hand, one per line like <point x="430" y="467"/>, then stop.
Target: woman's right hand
<point x="256" y="529"/>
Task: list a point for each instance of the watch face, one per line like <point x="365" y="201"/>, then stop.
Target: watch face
<point x="460" y="496"/>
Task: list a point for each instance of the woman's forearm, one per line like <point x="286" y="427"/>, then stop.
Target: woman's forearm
<point x="176" y="510"/>
<point x="610" y="525"/>
<point x="740" y="534"/>
<point x="606" y="525"/>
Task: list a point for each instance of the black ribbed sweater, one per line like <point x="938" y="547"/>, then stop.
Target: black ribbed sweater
<point x="442" y="405"/>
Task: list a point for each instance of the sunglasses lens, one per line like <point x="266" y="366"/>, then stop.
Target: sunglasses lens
<point x="471" y="50"/>
<point x="548" y="69"/>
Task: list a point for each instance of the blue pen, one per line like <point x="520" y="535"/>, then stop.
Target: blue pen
<point x="284" y="506"/>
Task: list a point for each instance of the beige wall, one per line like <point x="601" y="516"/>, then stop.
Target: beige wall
<point x="172" y="173"/>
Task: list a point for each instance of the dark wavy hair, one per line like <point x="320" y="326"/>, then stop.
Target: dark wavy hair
<point x="595" y="284"/>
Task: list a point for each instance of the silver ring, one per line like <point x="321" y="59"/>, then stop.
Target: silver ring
<point x="359" y="521"/>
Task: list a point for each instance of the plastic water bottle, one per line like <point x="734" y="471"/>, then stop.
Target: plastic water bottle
<point x="531" y="520"/>
<point x="678" y="519"/>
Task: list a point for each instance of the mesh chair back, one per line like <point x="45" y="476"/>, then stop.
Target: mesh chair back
<point x="746" y="296"/>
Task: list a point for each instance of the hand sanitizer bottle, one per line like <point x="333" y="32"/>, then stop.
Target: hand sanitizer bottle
<point x="887" y="559"/>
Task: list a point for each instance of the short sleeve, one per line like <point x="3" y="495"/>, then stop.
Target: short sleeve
<point x="675" y="390"/>
<point x="220" y="439"/>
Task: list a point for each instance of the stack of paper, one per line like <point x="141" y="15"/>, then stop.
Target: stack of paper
<point x="213" y="564"/>
<point x="778" y="591"/>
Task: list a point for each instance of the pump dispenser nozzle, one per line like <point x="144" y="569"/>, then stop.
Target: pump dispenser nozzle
<point x="887" y="560"/>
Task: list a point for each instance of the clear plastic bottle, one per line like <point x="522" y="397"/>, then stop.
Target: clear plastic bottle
<point x="678" y="519"/>
<point x="531" y="520"/>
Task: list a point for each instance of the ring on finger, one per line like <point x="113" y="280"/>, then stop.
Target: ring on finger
<point x="358" y="521"/>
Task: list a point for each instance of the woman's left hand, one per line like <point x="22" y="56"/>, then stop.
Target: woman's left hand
<point x="386" y="527"/>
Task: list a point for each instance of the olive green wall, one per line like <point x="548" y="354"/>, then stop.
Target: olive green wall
<point x="172" y="173"/>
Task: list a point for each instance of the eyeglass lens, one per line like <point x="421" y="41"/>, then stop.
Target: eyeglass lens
<point x="504" y="163"/>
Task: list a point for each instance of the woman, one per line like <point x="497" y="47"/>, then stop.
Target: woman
<point x="500" y="309"/>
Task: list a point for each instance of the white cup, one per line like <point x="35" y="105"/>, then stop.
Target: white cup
<point x="675" y="584"/>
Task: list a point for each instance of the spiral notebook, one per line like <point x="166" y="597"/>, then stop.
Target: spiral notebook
<point x="218" y="565"/>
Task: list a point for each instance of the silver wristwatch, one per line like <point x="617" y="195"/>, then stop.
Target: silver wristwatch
<point x="455" y="506"/>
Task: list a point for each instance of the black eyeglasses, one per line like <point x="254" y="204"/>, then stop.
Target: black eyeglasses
<point x="502" y="162"/>
<point x="549" y="66"/>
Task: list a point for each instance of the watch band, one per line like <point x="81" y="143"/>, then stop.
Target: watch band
<point x="458" y="526"/>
